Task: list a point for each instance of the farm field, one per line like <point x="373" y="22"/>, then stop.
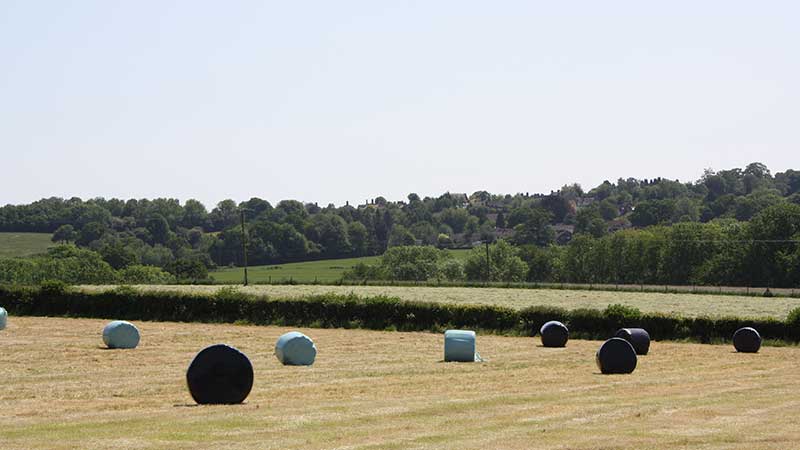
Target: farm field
<point x="23" y="244"/>
<point x="324" y="271"/>
<point x="386" y="390"/>
<point x="690" y="305"/>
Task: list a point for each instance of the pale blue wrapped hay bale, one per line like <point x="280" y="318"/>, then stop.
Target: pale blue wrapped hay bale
<point x="460" y="346"/>
<point x="295" y="349"/>
<point x="3" y="318"/>
<point x="121" y="334"/>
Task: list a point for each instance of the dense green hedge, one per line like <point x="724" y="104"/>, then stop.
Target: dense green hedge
<point x="337" y="311"/>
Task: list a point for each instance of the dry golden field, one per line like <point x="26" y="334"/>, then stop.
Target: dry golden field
<point x="685" y="304"/>
<point x="386" y="390"/>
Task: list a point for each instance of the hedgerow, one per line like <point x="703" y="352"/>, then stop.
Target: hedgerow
<point x="229" y="305"/>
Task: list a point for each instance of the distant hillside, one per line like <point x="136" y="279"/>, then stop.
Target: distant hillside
<point x="721" y="208"/>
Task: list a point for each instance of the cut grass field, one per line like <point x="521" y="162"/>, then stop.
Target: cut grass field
<point x="386" y="390"/>
<point x="23" y="244"/>
<point x="688" y="305"/>
<point x="323" y="271"/>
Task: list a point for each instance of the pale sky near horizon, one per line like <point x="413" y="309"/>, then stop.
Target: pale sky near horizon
<point x="337" y="101"/>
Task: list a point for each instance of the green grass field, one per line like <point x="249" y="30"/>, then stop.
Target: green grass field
<point x="386" y="390"/>
<point x="23" y="244"/>
<point x="324" y="271"/>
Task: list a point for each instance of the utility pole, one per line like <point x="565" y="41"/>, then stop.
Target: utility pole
<point x="244" y="246"/>
<point x="488" y="264"/>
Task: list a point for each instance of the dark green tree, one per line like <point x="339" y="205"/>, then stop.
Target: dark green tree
<point x="158" y="227"/>
<point x="535" y="230"/>
<point x="400" y="236"/>
<point x="64" y="234"/>
<point x="359" y="238"/>
<point x="91" y="232"/>
<point x="505" y="264"/>
<point x="589" y="220"/>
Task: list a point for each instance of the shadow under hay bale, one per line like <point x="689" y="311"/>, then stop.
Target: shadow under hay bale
<point x="616" y="355"/>
<point x="554" y="334"/>
<point x="295" y="349"/>
<point x="220" y="375"/>
<point x="3" y="318"/>
<point x="121" y="334"/>
<point x="460" y="346"/>
<point x="638" y="337"/>
<point x="747" y="340"/>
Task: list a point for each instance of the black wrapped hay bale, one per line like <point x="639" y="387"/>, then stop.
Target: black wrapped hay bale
<point x="616" y="355"/>
<point x="747" y="340"/>
<point x="554" y="334"/>
<point x="220" y="374"/>
<point x="638" y="337"/>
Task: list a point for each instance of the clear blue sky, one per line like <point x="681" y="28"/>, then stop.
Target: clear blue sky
<point x="335" y="101"/>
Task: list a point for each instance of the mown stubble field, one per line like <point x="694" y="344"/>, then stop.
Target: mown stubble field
<point x="684" y="304"/>
<point x="386" y="390"/>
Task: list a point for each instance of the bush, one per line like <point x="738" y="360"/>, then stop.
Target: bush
<point x="124" y="290"/>
<point x="622" y="313"/>
<point x="793" y="322"/>
<point x="65" y="263"/>
<point x="411" y="263"/>
<point x="229" y="294"/>
<point x="451" y="269"/>
<point x="534" y="317"/>
<point x="53" y="287"/>
<point x="138" y="274"/>
<point x="793" y="319"/>
<point x="363" y="271"/>
<point x="504" y="265"/>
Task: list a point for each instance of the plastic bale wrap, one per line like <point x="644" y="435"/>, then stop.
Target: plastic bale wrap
<point x="747" y="340"/>
<point x="121" y="334"/>
<point x="638" y="337"/>
<point x="554" y="334"/>
<point x="295" y="349"/>
<point x="220" y="374"/>
<point x="616" y="355"/>
<point x="460" y="346"/>
<point x="3" y="318"/>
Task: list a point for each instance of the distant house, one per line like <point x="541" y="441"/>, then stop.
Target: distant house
<point x="461" y="198"/>
<point x="503" y="233"/>
<point x="583" y="202"/>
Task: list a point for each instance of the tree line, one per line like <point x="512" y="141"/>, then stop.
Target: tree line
<point x="560" y="227"/>
<point x="762" y="252"/>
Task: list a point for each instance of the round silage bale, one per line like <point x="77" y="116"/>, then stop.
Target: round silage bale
<point x="220" y="374"/>
<point x="747" y="340"/>
<point x="295" y="349"/>
<point x="638" y="337"/>
<point x="616" y="355"/>
<point x="3" y="318"/>
<point x="121" y="334"/>
<point x="554" y="334"/>
<point x="459" y="346"/>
